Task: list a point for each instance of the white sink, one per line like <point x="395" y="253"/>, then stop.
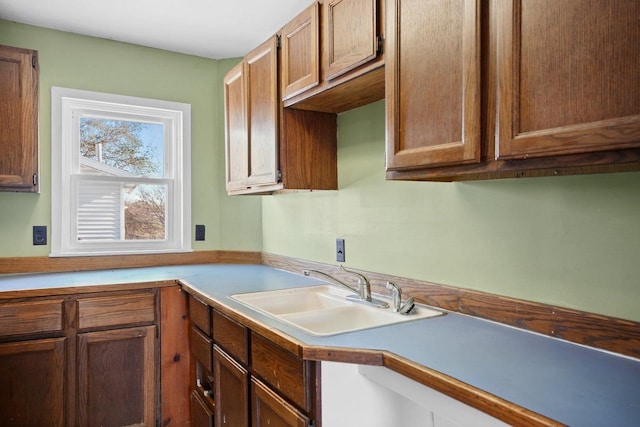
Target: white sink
<point x="325" y="310"/>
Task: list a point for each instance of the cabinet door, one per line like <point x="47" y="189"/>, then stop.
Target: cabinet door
<point x="231" y="391"/>
<point x="18" y="120"/>
<point x="301" y="53"/>
<point x="32" y="390"/>
<point x="201" y="415"/>
<point x="116" y="377"/>
<point x="568" y="77"/>
<point x="236" y="132"/>
<point x="433" y="83"/>
<point x="270" y="410"/>
<point x="350" y="36"/>
<point x="262" y="86"/>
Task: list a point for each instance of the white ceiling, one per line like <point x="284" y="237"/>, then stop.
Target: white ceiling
<point x="209" y="28"/>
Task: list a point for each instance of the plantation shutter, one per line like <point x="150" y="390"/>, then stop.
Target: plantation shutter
<point x="100" y="210"/>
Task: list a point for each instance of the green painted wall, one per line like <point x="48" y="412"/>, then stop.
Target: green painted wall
<point x="572" y="241"/>
<point x="88" y="63"/>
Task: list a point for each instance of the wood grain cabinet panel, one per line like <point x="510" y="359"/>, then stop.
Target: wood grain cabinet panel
<point x="270" y="410"/>
<point x="263" y="104"/>
<point x="200" y="315"/>
<point x="236" y="132"/>
<point x="252" y="119"/>
<point x="201" y="346"/>
<point x="231" y="336"/>
<point x="19" y="162"/>
<point x="433" y="83"/>
<point x="201" y="415"/>
<point x="31" y="317"/>
<point x="289" y="374"/>
<point x="116" y="310"/>
<point x="231" y="391"/>
<point x="32" y="377"/>
<point x="350" y="35"/>
<point x="568" y="76"/>
<point x="116" y="377"/>
<point x="300" y="42"/>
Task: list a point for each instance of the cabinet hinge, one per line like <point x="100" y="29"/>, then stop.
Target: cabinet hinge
<point x="34" y="61"/>
<point x="279" y="175"/>
<point x="380" y="45"/>
<point x="278" y="41"/>
<point x="35" y="179"/>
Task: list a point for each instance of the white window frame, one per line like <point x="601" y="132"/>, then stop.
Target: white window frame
<point x="67" y="105"/>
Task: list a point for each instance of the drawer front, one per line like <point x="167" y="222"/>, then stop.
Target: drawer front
<point x="283" y="370"/>
<point x="200" y="346"/>
<point x="116" y="310"/>
<point x="31" y="317"/>
<point x="231" y="336"/>
<point x="200" y="315"/>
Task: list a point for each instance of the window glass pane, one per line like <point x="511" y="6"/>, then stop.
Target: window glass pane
<point x="144" y="215"/>
<point x="121" y="148"/>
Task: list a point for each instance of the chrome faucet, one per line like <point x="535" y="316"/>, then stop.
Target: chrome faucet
<point x="398" y="305"/>
<point x="363" y="291"/>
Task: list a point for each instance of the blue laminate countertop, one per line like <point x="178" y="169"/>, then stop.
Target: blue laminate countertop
<point x="572" y="384"/>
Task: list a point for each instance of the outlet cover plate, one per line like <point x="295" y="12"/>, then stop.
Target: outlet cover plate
<point x="39" y="234"/>
<point x="340" y="256"/>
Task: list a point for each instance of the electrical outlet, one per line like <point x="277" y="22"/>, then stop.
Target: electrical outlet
<point x="199" y="232"/>
<point x="39" y="234"/>
<point x="340" y="250"/>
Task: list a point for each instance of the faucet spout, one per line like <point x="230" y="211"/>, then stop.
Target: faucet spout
<point x="363" y="292"/>
<point x="333" y="279"/>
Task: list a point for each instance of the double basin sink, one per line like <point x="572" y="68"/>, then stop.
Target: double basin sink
<point x="326" y="310"/>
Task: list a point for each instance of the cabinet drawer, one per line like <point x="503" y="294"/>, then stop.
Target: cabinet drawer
<point x="116" y="310"/>
<point x="286" y="372"/>
<point x="231" y="336"/>
<point x="200" y="315"/>
<point x="30" y="317"/>
<point x="201" y="348"/>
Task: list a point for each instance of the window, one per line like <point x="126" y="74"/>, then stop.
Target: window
<point x="120" y="180"/>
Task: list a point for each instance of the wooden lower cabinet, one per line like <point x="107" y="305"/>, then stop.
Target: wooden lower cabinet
<point x="116" y="377"/>
<point x="270" y="410"/>
<point x="90" y="359"/>
<point x="231" y="390"/>
<point x="254" y="381"/>
<point x="32" y="379"/>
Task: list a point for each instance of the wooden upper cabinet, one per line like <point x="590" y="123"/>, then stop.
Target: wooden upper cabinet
<point x="301" y="52"/>
<point x="18" y="120"/>
<point x="236" y="132"/>
<point x="252" y="120"/>
<point x="433" y="83"/>
<point x="350" y="35"/>
<point x="262" y="91"/>
<point x="568" y="77"/>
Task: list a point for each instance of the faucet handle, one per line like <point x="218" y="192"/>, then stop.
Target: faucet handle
<point x="362" y="279"/>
